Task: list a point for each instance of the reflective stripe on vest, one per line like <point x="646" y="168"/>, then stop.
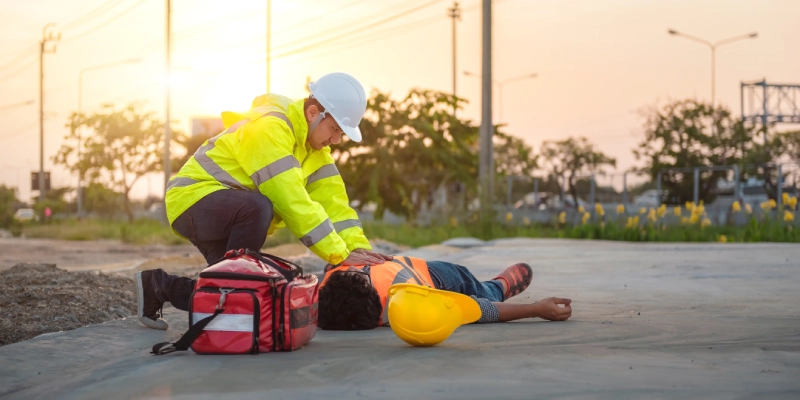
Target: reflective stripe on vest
<point x="325" y="171"/>
<point x="348" y="223"/>
<point x="225" y="178"/>
<point x="211" y="167"/>
<point x="273" y="169"/>
<point x="180" y="181"/>
<point x="318" y="233"/>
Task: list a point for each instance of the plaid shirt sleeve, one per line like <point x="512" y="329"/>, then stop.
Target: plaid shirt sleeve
<point x="489" y="312"/>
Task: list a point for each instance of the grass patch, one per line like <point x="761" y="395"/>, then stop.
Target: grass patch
<point x="141" y="231"/>
<point x="148" y="232"/>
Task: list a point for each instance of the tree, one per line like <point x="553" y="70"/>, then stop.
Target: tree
<point x="101" y="200"/>
<point x="410" y="149"/>
<point x="126" y="145"/>
<point x="688" y="133"/>
<point x="8" y="206"/>
<point x="190" y="143"/>
<point x="574" y="158"/>
<point x="791" y="141"/>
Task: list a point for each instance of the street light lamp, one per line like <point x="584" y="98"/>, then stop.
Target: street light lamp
<point x="500" y="85"/>
<point x="80" y="111"/>
<point x="713" y="47"/>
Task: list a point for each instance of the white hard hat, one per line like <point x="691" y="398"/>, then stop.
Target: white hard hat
<point x="344" y="99"/>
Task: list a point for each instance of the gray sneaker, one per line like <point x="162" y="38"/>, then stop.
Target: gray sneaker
<point x="150" y="307"/>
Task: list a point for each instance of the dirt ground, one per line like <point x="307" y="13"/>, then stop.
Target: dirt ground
<point x="40" y="298"/>
<point x="54" y="285"/>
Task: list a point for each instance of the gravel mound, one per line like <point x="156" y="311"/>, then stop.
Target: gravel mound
<point x="40" y="298"/>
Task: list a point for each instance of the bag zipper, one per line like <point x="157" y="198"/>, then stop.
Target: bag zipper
<point x="283" y="313"/>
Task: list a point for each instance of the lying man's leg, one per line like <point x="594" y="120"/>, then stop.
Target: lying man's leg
<point x="456" y="278"/>
<point x="490" y="294"/>
<point x="154" y="288"/>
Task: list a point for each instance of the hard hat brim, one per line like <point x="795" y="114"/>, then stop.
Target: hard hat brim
<point x="354" y="133"/>
<point x="470" y="310"/>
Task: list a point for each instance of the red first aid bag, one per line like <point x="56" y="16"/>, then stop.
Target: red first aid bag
<point x="247" y="303"/>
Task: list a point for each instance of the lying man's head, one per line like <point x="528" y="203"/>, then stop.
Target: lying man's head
<point x="348" y="302"/>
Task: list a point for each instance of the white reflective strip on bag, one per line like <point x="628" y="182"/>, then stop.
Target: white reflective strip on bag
<point x="226" y="322"/>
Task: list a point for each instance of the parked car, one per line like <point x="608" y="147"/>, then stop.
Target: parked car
<point x="555" y="203"/>
<point x="548" y="201"/>
<point x="25" y="214"/>
<point x="648" y="199"/>
<point x="532" y="202"/>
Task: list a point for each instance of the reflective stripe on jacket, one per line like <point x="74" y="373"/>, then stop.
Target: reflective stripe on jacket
<point x="399" y="270"/>
<point x="265" y="149"/>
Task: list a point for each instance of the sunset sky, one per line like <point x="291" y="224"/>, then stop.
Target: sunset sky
<point x="598" y="61"/>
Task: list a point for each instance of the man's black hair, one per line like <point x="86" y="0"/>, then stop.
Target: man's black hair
<point x="348" y="302"/>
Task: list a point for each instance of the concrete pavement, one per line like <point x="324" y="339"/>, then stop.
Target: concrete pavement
<point x="650" y="321"/>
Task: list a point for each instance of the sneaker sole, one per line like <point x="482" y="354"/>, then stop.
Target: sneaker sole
<point x="160" y="323"/>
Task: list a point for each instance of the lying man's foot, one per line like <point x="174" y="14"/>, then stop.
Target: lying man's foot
<point x="149" y="305"/>
<point x="515" y="279"/>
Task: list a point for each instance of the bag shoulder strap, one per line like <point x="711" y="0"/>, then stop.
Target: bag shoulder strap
<point x="187" y="338"/>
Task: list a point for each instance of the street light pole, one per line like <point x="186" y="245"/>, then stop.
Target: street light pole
<point x="168" y="73"/>
<point x="455" y="14"/>
<point x="486" y="161"/>
<point x="80" y="111"/>
<point x="713" y="47"/>
<point x="269" y="40"/>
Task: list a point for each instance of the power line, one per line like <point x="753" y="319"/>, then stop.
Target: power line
<point x="355" y="30"/>
<point x="16" y="59"/>
<point x="91" y="14"/>
<point x="15" y="105"/>
<point x="367" y="38"/>
<point x="382" y="34"/>
<point x="327" y="14"/>
<point x="370" y="37"/>
<point x="108" y="21"/>
<point x="23" y="68"/>
<point x="203" y="27"/>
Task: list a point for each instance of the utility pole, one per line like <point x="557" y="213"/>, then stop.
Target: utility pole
<point x="46" y="37"/>
<point x="168" y="69"/>
<point x="486" y="162"/>
<point x="455" y="14"/>
<point x="269" y="39"/>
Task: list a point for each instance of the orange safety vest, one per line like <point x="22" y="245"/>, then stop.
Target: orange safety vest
<point x="383" y="276"/>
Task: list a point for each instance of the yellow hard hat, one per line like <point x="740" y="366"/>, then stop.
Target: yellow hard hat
<point x="424" y="316"/>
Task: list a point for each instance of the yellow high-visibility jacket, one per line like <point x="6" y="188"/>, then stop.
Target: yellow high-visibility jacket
<point x="265" y="149"/>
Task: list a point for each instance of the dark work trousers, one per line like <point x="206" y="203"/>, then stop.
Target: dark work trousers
<point x="229" y="219"/>
<point x="225" y="220"/>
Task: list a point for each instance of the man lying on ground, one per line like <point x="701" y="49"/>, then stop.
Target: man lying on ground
<point x="354" y="298"/>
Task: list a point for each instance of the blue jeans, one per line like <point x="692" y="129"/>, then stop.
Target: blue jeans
<point x="456" y="278"/>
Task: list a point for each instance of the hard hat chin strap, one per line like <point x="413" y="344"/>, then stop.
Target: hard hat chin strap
<point x="316" y="122"/>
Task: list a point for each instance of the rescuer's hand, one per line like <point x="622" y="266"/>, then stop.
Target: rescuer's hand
<point x="356" y="258"/>
<point x="373" y="254"/>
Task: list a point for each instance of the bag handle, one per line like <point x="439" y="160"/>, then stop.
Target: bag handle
<point x="294" y="271"/>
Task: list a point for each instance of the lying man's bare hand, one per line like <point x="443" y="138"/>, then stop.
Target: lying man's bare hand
<point x="549" y="309"/>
